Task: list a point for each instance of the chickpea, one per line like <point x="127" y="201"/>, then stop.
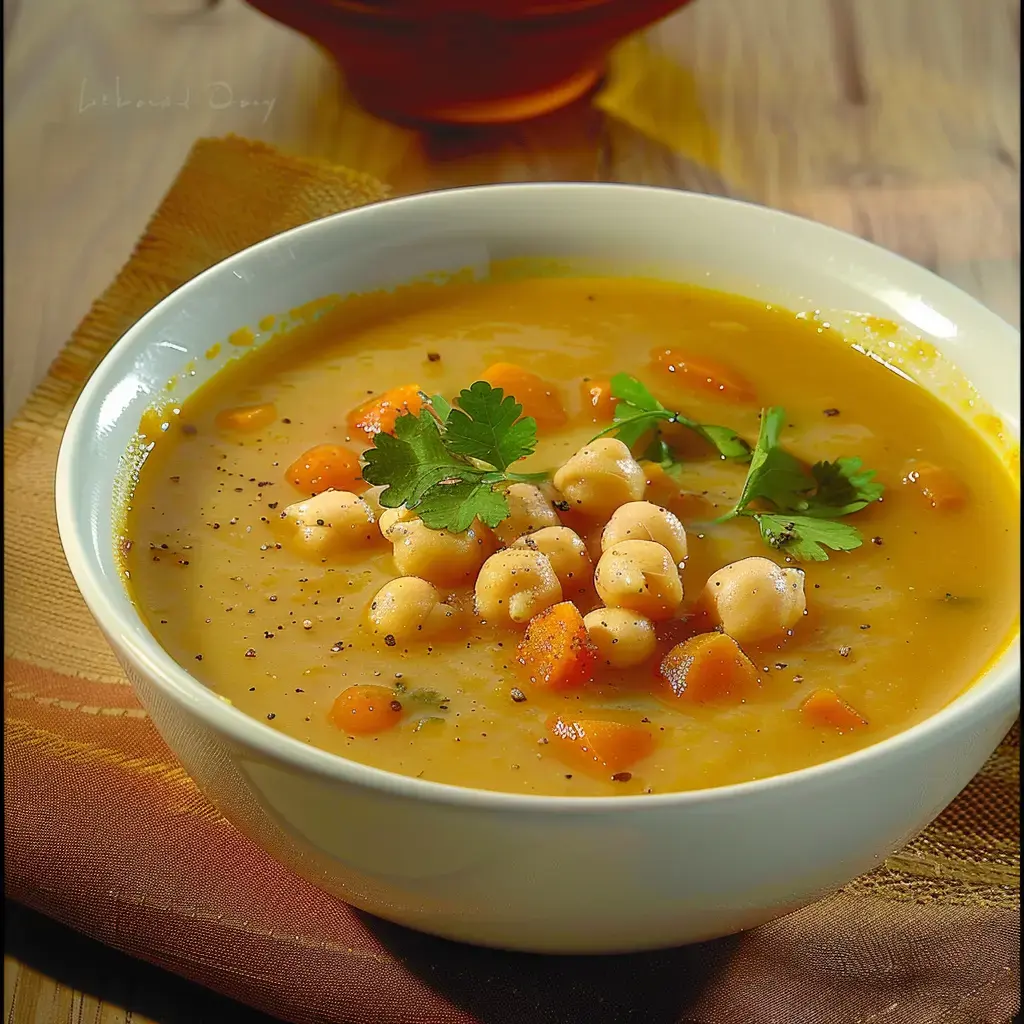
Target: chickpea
<point x="642" y="576"/>
<point x="514" y="585"/>
<point x="372" y="498"/>
<point x="332" y="523"/>
<point x="529" y="511"/>
<point x="439" y="556"/>
<point x="567" y="554"/>
<point x="622" y="638"/>
<point x="641" y="520"/>
<point x="408" y="606"/>
<point x="754" y="599"/>
<point x="600" y="477"/>
<point x="391" y="517"/>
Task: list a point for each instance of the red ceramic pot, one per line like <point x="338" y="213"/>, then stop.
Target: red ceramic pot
<point x="460" y="61"/>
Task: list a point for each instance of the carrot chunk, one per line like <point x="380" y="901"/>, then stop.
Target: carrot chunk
<point x="594" y="743"/>
<point x="939" y="487"/>
<point x="247" y="417"/>
<point x="538" y="398"/>
<point x="598" y="400"/>
<point x="698" y="374"/>
<point x="824" y="707"/>
<point x="326" y="467"/>
<point x="365" y="708"/>
<point x="557" y="650"/>
<point x="709" y="667"/>
<point x="378" y="414"/>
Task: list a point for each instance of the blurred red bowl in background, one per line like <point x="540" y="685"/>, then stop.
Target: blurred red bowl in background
<point x="467" y="61"/>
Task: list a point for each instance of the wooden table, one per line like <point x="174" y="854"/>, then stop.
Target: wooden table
<point x="896" y="119"/>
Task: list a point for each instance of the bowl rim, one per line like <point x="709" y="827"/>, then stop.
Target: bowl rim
<point x="1000" y="677"/>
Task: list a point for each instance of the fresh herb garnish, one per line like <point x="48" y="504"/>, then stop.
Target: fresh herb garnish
<point x="425" y="696"/>
<point x="805" y="506"/>
<point x="449" y="462"/>
<point x="487" y="427"/>
<point x="430" y="720"/>
<point x="660" y="453"/>
<point x="637" y="411"/>
<point x="805" y="538"/>
<point x="843" y="487"/>
<point x="441" y="406"/>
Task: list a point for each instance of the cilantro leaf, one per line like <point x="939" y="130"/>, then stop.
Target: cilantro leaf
<point x="423" y="695"/>
<point x="453" y="506"/>
<point x="774" y="474"/>
<point x="843" y="488"/>
<point x="449" y="465"/>
<point x="659" y="452"/>
<point x="429" y="721"/>
<point x="441" y="406"/>
<point x="629" y="391"/>
<point x="412" y="461"/>
<point x="487" y="427"/>
<point x="637" y="411"/>
<point x="805" y="538"/>
<point x="802" y="523"/>
<point x="729" y="444"/>
<point x="629" y="427"/>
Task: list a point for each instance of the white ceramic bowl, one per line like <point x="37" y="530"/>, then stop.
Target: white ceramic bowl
<point x="537" y="873"/>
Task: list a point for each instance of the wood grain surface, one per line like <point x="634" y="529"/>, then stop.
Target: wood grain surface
<point x="898" y="120"/>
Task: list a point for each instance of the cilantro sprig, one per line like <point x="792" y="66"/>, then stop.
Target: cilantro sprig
<point x="803" y="507"/>
<point x="450" y="461"/>
<point x="637" y="411"/>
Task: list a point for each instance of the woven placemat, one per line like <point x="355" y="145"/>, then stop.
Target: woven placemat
<point x="106" y="833"/>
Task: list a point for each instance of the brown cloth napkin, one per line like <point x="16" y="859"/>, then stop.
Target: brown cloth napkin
<point x="106" y="833"/>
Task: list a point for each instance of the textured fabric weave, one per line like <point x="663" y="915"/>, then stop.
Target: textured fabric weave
<point x="106" y="833"/>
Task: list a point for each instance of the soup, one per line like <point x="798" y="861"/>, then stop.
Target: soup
<point x="573" y="536"/>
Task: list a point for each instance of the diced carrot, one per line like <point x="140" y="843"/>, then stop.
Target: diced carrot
<point x="365" y="708"/>
<point x="699" y="374"/>
<point x="326" y="467"/>
<point x="824" y="707"/>
<point x="247" y="417"/>
<point x="538" y="398"/>
<point x="709" y="667"/>
<point x="378" y="415"/>
<point x="595" y="743"/>
<point x="598" y="400"/>
<point x="939" y="487"/>
<point x="557" y="650"/>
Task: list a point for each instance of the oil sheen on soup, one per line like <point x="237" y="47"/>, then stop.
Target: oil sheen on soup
<point x="708" y="541"/>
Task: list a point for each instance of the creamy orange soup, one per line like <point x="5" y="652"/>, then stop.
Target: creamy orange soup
<point x="710" y="668"/>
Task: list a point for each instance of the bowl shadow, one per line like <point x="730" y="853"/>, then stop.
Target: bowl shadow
<point x="500" y="987"/>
